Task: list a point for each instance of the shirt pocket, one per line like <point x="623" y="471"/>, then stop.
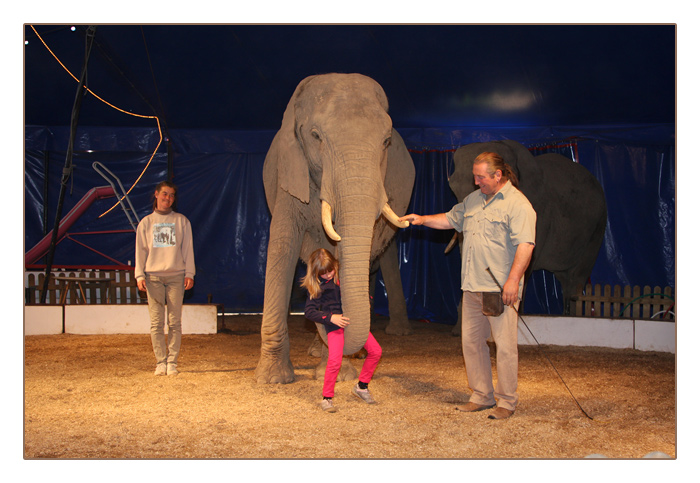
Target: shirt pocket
<point x="496" y="225"/>
<point x="472" y="219"/>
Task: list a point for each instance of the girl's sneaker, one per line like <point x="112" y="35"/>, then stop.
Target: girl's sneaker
<point x="327" y="405"/>
<point x="363" y="394"/>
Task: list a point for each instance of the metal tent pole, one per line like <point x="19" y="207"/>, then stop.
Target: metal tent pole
<point x="68" y="167"/>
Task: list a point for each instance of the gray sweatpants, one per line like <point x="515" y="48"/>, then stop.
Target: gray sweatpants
<point x="162" y="291"/>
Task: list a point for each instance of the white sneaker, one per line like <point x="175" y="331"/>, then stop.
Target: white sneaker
<point x="172" y="370"/>
<point x="160" y="370"/>
<point x="327" y="405"/>
<point x="363" y="394"/>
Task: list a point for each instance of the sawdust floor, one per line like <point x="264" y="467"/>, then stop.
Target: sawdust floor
<point x="96" y="397"/>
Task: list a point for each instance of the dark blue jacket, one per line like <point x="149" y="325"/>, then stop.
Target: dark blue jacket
<point x="326" y="304"/>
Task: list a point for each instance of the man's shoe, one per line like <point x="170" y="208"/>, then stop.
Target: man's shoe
<point x="471" y="407"/>
<point x="501" y="413"/>
<point x="327" y="405"/>
<point x="363" y="394"/>
<point x="172" y="370"/>
<point x="160" y="370"/>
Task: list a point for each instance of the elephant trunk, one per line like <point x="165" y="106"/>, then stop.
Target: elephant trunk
<point x="353" y="190"/>
<point x="355" y="252"/>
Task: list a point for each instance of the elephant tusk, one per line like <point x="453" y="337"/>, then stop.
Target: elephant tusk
<point x="393" y="217"/>
<point x="451" y="244"/>
<point x="326" y="219"/>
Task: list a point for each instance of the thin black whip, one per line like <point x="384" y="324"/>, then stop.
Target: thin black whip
<point x="539" y="347"/>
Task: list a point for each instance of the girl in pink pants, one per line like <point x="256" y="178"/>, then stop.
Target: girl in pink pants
<point x="324" y="307"/>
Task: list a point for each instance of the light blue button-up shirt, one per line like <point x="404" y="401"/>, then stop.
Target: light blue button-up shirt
<point x="492" y="232"/>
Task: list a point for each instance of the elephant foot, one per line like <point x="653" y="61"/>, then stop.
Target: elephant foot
<point x="274" y="371"/>
<point x="347" y="371"/>
<point x="402" y="327"/>
<point x="316" y="347"/>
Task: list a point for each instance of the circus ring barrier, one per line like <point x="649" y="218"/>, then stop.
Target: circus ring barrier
<point x="112" y="306"/>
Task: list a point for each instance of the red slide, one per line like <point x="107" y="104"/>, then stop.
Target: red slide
<point x="42" y="248"/>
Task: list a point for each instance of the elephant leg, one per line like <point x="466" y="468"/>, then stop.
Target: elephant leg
<point x="320" y="371"/>
<point x="372" y="290"/>
<point x="316" y="347"/>
<point x="570" y="282"/>
<point x="457" y="329"/>
<point x="275" y="365"/>
<point x="578" y="276"/>
<point x="347" y="370"/>
<point x="398" y="316"/>
<point x="564" y="280"/>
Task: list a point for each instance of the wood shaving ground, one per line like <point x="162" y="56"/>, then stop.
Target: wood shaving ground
<point x="96" y="397"/>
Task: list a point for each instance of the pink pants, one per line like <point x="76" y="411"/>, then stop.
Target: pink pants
<point x="336" y="341"/>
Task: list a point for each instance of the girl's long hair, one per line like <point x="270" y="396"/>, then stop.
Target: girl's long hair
<point x="320" y="262"/>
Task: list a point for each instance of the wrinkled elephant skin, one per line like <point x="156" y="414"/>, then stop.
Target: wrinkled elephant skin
<point x="336" y="148"/>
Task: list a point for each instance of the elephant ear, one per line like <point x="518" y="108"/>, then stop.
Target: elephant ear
<point x="400" y="173"/>
<point x="286" y="152"/>
<point x="523" y="162"/>
<point x="461" y="181"/>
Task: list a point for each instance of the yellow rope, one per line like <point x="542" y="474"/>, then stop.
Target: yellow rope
<point x="160" y="133"/>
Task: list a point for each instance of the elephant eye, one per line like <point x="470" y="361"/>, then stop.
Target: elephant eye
<point x="315" y="134"/>
<point x="387" y="142"/>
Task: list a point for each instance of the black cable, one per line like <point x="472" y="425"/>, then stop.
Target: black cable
<point x="155" y="84"/>
<point x="108" y="54"/>
<point x="539" y="347"/>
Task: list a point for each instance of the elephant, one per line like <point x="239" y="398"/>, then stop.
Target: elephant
<point x="569" y="202"/>
<point x="389" y="266"/>
<point x="335" y="176"/>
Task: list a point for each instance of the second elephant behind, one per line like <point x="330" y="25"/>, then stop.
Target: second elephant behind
<point x="570" y="205"/>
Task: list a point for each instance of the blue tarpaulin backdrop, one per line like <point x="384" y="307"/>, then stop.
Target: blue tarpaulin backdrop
<point x="219" y="175"/>
<point x="219" y="92"/>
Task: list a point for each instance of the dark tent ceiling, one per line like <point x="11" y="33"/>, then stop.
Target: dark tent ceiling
<point x="241" y="76"/>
